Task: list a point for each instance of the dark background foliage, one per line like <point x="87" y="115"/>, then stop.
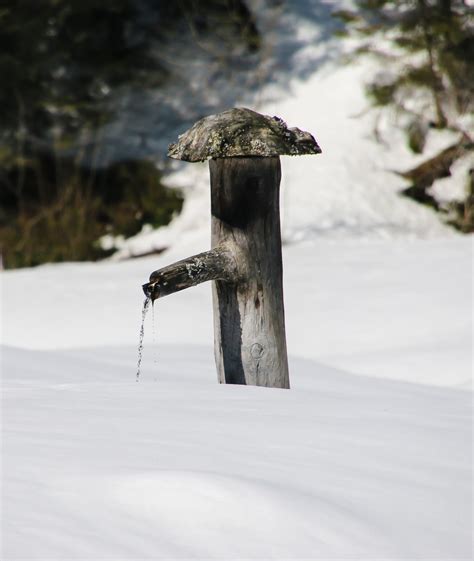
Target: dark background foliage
<point x="65" y="66"/>
<point x="92" y="92"/>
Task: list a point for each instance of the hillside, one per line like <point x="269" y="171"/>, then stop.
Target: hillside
<point x="351" y="190"/>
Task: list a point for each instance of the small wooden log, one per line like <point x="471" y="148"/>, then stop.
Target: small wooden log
<point x="218" y="263"/>
<point x="249" y="321"/>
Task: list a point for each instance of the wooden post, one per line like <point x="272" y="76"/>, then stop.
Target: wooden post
<point x="245" y="262"/>
<point x="249" y="319"/>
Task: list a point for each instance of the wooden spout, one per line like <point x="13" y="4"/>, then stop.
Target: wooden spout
<point x="218" y="263"/>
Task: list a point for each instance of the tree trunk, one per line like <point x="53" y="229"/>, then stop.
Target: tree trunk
<point x="436" y="86"/>
<point x="249" y="323"/>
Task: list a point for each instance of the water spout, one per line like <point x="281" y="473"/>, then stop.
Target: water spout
<point x="217" y="264"/>
<point x="151" y="290"/>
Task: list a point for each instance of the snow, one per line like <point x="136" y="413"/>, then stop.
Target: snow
<point x="347" y="303"/>
<point x="177" y="466"/>
<point x="368" y="456"/>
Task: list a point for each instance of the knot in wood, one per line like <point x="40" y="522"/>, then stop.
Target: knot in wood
<point x="256" y="350"/>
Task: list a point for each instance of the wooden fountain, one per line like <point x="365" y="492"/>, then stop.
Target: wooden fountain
<point x="245" y="262"/>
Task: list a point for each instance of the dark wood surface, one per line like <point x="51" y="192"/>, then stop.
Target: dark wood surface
<point x="218" y="263"/>
<point x="250" y="343"/>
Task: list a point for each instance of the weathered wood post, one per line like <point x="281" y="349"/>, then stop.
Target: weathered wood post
<point x="245" y="262"/>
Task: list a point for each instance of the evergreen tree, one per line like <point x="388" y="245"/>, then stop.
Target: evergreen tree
<point x="426" y="51"/>
<point x="432" y="50"/>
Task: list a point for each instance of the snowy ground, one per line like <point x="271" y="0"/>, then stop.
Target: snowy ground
<point x="368" y="456"/>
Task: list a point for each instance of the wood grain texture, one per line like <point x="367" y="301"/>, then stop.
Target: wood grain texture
<point x="241" y="132"/>
<point x="218" y="263"/>
<point x="249" y="321"/>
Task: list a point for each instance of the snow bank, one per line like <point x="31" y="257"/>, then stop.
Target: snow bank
<point x="96" y="465"/>
<point x="176" y="466"/>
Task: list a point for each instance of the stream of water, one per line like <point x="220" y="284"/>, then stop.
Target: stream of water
<point x="146" y="306"/>
<point x="155" y="352"/>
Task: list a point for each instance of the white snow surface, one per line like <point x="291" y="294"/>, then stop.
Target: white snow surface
<point x="368" y="456"/>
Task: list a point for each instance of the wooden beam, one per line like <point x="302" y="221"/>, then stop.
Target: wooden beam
<point x="218" y="263"/>
<point x="249" y="319"/>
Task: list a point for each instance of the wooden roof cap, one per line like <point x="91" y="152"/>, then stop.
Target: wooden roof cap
<point x="241" y="132"/>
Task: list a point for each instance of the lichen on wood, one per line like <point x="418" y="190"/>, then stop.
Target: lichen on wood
<point x="241" y="132"/>
<point x="218" y="263"/>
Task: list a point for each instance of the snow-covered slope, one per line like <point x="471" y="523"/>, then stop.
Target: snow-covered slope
<point x="349" y="191"/>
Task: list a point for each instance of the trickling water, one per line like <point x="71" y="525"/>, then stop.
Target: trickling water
<point x="146" y="305"/>
<point x="155" y="356"/>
